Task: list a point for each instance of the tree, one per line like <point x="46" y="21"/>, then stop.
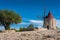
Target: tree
<point x="36" y="27"/>
<point x="30" y="27"/>
<point x="21" y="29"/>
<point x="8" y="17"/>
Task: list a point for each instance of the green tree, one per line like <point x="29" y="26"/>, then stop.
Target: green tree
<point x="36" y="27"/>
<point x="8" y="17"/>
<point x="30" y="27"/>
<point x="21" y="29"/>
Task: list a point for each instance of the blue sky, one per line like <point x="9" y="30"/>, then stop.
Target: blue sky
<point x="30" y="9"/>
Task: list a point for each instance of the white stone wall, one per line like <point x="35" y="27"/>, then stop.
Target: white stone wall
<point x="51" y="23"/>
<point x="31" y="35"/>
<point x="54" y="23"/>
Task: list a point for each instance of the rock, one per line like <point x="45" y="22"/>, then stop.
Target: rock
<point x="30" y="35"/>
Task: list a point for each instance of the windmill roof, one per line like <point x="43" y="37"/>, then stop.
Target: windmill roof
<point x="49" y="15"/>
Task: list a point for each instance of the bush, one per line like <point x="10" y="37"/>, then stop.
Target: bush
<point x="15" y="30"/>
<point x="21" y="29"/>
<point x="0" y="31"/>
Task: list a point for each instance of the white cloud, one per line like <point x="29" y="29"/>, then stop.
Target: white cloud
<point x="39" y="26"/>
<point x="37" y="22"/>
<point x="58" y="23"/>
<point x="24" y="23"/>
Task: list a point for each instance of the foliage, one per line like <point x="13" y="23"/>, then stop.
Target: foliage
<point x="30" y="27"/>
<point x="36" y="27"/>
<point x="0" y="31"/>
<point x="21" y="29"/>
<point x="8" y="17"/>
<point x="24" y="29"/>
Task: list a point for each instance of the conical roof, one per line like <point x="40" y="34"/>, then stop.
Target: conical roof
<point x="49" y="15"/>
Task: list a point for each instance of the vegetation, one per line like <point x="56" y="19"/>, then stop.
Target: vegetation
<point x="8" y="17"/>
<point x="0" y="31"/>
<point x="14" y="29"/>
<point x="29" y="28"/>
<point x="21" y="29"/>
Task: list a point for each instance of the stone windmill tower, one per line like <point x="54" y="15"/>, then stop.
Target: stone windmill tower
<point x="49" y="22"/>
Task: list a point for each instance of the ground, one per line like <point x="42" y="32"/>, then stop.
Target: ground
<point x="31" y="35"/>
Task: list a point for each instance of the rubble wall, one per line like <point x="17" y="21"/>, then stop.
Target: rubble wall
<point x="31" y="35"/>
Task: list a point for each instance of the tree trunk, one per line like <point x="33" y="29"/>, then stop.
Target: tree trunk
<point x="7" y="27"/>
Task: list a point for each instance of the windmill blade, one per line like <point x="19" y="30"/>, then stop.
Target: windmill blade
<point x="44" y="11"/>
<point x="39" y="17"/>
